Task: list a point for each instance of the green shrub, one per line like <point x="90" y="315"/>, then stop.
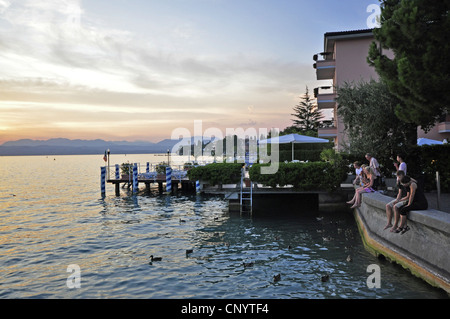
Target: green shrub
<point x="303" y="176"/>
<point x="217" y="173"/>
<point x="161" y="168"/>
<point x="426" y="160"/>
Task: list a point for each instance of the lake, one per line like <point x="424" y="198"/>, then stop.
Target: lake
<point x="53" y="218"/>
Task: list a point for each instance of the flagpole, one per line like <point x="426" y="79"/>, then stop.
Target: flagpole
<point x="108" y="164"/>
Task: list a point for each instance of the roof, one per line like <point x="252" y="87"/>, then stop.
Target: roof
<point x="350" y="32"/>
<point x="331" y="37"/>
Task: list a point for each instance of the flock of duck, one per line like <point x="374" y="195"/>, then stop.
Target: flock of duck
<point x="190" y="251"/>
<point x="276" y="278"/>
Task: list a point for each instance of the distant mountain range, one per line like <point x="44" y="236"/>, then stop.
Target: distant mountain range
<point x="63" y="146"/>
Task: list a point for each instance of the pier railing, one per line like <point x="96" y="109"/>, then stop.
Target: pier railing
<point x="147" y="171"/>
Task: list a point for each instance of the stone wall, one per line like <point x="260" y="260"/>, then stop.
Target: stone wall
<point x="424" y="249"/>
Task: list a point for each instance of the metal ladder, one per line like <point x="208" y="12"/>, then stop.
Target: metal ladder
<point x="246" y="197"/>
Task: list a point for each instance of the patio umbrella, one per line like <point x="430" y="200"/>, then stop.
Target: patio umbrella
<point x="426" y="141"/>
<point x="295" y="139"/>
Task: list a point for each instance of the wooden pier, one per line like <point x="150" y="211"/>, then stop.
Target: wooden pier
<point x="185" y="184"/>
<point x="246" y="196"/>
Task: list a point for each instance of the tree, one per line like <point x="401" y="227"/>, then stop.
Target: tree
<point x="307" y="115"/>
<point x="296" y="130"/>
<point x="368" y="112"/>
<point x="417" y="32"/>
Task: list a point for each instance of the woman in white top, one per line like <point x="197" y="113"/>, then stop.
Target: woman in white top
<point x="373" y="164"/>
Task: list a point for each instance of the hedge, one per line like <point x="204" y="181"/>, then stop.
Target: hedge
<point x="217" y="173"/>
<point x="303" y="176"/>
<point x="427" y="160"/>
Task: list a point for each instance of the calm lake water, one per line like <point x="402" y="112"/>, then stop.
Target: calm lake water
<point x="52" y="215"/>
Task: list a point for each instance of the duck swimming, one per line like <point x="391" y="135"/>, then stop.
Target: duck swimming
<point x="155" y="258"/>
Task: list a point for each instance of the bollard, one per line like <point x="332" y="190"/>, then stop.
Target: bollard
<point x="103" y="179"/>
<point x="168" y="179"/>
<point x="135" y="178"/>
<point x="197" y="186"/>
<point x="117" y="171"/>
<point x="438" y="190"/>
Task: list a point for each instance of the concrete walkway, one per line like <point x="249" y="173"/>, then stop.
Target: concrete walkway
<point x="444" y="202"/>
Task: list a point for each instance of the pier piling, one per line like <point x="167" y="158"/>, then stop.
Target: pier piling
<point x="117" y="171"/>
<point x="103" y="179"/>
<point x="135" y="178"/>
<point x="168" y="179"/>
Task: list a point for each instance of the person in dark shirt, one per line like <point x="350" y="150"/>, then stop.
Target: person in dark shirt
<point x="416" y="201"/>
<point x="392" y="208"/>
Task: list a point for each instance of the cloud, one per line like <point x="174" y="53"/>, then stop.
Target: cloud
<point x="64" y="64"/>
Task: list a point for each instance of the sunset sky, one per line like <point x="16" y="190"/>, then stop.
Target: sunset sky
<point x="138" y="69"/>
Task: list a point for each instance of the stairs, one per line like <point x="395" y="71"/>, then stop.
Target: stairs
<point x="246" y="195"/>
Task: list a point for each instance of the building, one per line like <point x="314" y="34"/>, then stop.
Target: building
<point x="344" y="59"/>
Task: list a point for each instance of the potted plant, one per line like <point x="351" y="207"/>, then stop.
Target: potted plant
<point x="161" y="170"/>
<point x="126" y="170"/>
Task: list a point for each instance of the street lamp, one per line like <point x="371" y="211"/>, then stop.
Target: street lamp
<point x="168" y="157"/>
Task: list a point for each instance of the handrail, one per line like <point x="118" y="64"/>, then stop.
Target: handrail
<point x="242" y="183"/>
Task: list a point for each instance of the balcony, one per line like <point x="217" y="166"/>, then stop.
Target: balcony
<point x="444" y="127"/>
<point x="326" y="101"/>
<point x="328" y="132"/>
<point x="325" y="69"/>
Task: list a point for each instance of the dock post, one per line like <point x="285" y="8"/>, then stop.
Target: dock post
<point x="168" y="179"/>
<point x="103" y="180"/>
<point x="117" y="171"/>
<point x="438" y="190"/>
<point x="135" y="178"/>
<point x="148" y="168"/>
<point x="197" y="186"/>
<point x="117" y="185"/>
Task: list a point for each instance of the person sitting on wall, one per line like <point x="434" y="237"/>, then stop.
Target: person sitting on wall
<point x="394" y="205"/>
<point x="364" y="179"/>
<point x="416" y="201"/>
<point x="358" y="169"/>
<point x="373" y="163"/>
<point x="366" y="188"/>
